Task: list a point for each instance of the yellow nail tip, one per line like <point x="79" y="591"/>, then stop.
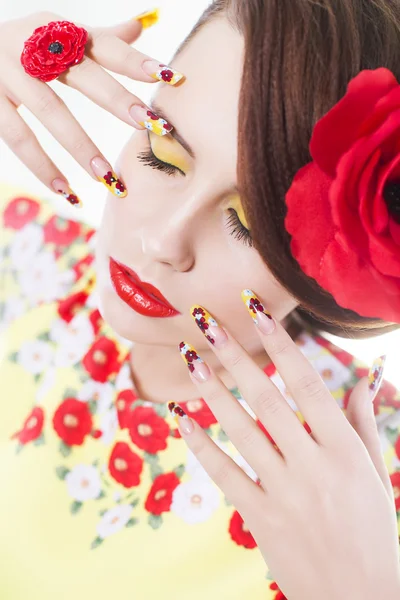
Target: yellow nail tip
<point x="149" y="18"/>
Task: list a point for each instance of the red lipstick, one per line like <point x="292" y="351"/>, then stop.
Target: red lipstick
<point x="143" y="297"/>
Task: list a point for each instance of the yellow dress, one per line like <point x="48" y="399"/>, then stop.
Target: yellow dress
<point x="100" y="497"/>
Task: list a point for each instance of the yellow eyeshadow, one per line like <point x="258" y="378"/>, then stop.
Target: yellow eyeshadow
<point x="167" y="149"/>
<point x="237" y="205"/>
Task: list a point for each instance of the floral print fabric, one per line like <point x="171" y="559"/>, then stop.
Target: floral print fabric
<point x="99" y="494"/>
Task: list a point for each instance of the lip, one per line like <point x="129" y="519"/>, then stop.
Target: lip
<point x="142" y="297"/>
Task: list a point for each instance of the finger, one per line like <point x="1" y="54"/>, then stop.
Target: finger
<point x="103" y="89"/>
<point x="24" y="144"/>
<point x="116" y="55"/>
<point x="320" y="410"/>
<point x="260" y="393"/>
<point x="360" y="413"/>
<point x="48" y="107"/>
<point x="238" y="488"/>
<point x="236" y="422"/>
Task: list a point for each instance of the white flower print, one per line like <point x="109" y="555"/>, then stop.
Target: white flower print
<point x="14" y="308"/>
<point x="73" y="339"/>
<point x="101" y="393"/>
<point x="114" y="520"/>
<point x="25" y="246"/>
<point x="196" y="500"/>
<point x="43" y="281"/>
<point x="307" y="345"/>
<point x="35" y="356"/>
<point x="83" y="483"/>
<point x="109" y="426"/>
<point x="93" y="301"/>
<point x="123" y="380"/>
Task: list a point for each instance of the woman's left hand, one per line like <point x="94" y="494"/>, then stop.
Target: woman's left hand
<point x="323" y="514"/>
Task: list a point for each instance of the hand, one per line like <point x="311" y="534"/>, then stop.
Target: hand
<point x="107" y="48"/>
<point x="323" y="515"/>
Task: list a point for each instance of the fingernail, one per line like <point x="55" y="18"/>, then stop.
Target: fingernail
<point x="104" y="173"/>
<point x="146" y="118"/>
<point x="162" y="72"/>
<point x="375" y="375"/>
<point x="149" y="18"/>
<point x="209" y="326"/>
<point x="60" y="186"/>
<point x="260" y="316"/>
<point x="196" y="365"/>
<point x="184" y="422"/>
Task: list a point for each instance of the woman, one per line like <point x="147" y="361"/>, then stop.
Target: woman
<point x="99" y="495"/>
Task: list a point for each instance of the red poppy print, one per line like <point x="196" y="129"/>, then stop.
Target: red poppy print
<point x="109" y="178"/>
<point x="32" y="427"/>
<point x="279" y="594"/>
<point x="101" y="361"/>
<point x="239" y="532"/>
<point x="255" y="305"/>
<point x="152" y="115"/>
<point x="81" y="266"/>
<point x="120" y="186"/>
<point x="200" y="411"/>
<point x="147" y="430"/>
<point x="159" y="499"/>
<point x="53" y="48"/>
<point x="19" y="212"/>
<point x="60" y="231"/>
<point x="395" y="480"/>
<point x="166" y="75"/>
<point x="96" y="320"/>
<point x="397" y="447"/>
<point x="68" y="307"/>
<point x="123" y="404"/>
<point x="125" y="466"/>
<point x="72" y="421"/>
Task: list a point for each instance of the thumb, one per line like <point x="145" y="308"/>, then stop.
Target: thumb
<point x="360" y="414"/>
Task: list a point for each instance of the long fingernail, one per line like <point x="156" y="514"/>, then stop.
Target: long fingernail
<point x="61" y="187"/>
<point x="162" y="72"/>
<point x="104" y="173"/>
<point x="375" y="375"/>
<point x="260" y="316"/>
<point x="146" y="118"/>
<point x="209" y="326"/>
<point x="149" y="18"/>
<point x="184" y="422"/>
<point x="195" y="364"/>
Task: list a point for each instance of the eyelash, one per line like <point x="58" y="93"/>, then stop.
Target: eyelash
<point x="237" y="229"/>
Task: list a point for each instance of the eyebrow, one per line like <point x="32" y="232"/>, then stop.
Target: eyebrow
<point x="160" y="112"/>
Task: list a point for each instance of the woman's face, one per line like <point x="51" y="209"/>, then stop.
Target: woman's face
<point x="178" y="230"/>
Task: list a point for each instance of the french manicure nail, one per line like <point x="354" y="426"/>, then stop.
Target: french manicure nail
<point x="149" y="18"/>
<point x="104" y="173"/>
<point x="263" y="320"/>
<point x="209" y="326"/>
<point x="375" y="375"/>
<point x="162" y="72"/>
<point x="195" y="364"/>
<point x="148" y="119"/>
<point x="60" y="186"/>
<point x="184" y="422"/>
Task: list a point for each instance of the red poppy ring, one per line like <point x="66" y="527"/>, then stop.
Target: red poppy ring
<point x="53" y="48"/>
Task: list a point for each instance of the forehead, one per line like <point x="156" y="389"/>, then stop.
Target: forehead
<point x="204" y="108"/>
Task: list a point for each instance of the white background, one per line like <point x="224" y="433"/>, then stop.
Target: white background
<point x="110" y="134"/>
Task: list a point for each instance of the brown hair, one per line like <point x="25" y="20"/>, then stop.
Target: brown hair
<point x="299" y="58"/>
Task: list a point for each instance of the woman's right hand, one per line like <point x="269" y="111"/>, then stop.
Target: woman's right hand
<point x="107" y="48"/>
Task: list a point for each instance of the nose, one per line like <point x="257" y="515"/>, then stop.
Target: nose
<point x="168" y="238"/>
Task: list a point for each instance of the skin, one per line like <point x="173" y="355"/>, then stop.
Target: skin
<point x="172" y="229"/>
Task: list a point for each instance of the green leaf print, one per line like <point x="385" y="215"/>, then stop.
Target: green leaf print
<point x="65" y="450"/>
<point x="39" y="441"/>
<point x="92" y="404"/>
<point x="235" y="392"/>
<point x="208" y="431"/>
<point x="101" y="495"/>
<point x="155" y="521"/>
<point x="227" y="501"/>
<point x="62" y="472"/>
<point x="132" y="522"/>
<point x="76" y="507"/>
<point x="392" y="435"/>
<point x="44" y="337"/>
<point x="161" y="410"/>
<point x="19" y="448"/>
<point x="179" y="470"/>
<point x="37" y="377"/>
<point x="96" y="542"/>
<point x="150" y="458"/>
<point x="155" y="470"/>
<point x="13" y="357"/>
<point x="222" y="436"/>
<point x="70" y="393"/>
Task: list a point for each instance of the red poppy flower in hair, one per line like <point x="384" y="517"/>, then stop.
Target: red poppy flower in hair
<point x="52" y="49"/>
<point x="344" y="206"/>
